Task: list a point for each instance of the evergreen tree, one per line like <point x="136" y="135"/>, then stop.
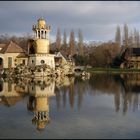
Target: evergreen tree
<point x="72" y="43"/>
<point x="65" y="41"/>
<point x="125" y="35"/>
<point x="131" y="40"/>
<point x="58" y="39"/>
<point x="80" y="43"/>
<point x="118" y="36"/>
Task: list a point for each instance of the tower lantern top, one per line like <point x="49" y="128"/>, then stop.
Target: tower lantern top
<point x="41" y="24"/>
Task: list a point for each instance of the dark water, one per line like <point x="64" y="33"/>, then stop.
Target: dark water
<point x="104" y="106"/>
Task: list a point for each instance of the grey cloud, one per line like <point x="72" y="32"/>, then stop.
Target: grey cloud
<point x="97" y="19"/>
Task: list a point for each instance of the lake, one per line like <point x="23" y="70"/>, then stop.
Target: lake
<point x="104" y="106"/>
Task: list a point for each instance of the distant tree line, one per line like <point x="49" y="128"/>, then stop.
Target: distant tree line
<point x="21" y="41"/>
<point x="72" y="47"/>
<point x="100" y="56"/>
<point x="128" y="38"/>
<point x="106" y="54"/>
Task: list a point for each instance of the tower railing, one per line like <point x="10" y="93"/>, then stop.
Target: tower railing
<point x="34" y="27"/>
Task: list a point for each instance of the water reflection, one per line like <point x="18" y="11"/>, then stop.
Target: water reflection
<point x="124" y="88"/>
<point x="69" y="92"/>
<point x="38" y="92"/>
<point x="40" y="106"/>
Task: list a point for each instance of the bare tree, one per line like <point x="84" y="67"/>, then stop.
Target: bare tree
<point x="80" y="43"/>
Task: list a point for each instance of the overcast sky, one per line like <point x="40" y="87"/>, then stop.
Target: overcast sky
<point x="97" y="19"/>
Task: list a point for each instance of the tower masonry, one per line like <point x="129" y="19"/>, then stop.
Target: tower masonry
<point x="41" y="31"/>
<point x="39" y="50"/>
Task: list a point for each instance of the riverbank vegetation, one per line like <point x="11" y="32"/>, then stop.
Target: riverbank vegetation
<point x="112" y="70"/>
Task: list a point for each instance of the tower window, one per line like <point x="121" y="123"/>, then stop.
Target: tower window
<point x="42" y="61"/>
<point x="9" y="62"/>
<point x="23" y="62"/>
<point x="32" y="61"/>
<point x="45" y="34"/>
<point x="39" y="34"/>
<point x="42" y="34"/>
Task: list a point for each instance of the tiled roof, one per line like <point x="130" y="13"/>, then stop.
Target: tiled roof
<point x="22" y="55"/>
<point x="63" y="54"/>
<point x="12" y="48"/>
<point x="2" y="46"/>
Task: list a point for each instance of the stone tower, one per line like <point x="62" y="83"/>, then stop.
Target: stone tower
<point x="41" y="31"/>
<point x="38" y="48"/>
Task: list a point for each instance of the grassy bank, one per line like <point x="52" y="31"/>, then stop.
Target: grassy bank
<point x="112" y="70"/>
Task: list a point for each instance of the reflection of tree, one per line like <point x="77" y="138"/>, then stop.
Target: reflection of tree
<point x="117" y="101"/>
<point x="124" y="86"/>
<point x="64" y="91"/>
<point x="65" y="87"/>
<point x="71" y="95"/>
<point x="81" y="87"/>
<point x="105" y="83"/>
<point x="58" y="98"/>
<point x="132" y="89"/>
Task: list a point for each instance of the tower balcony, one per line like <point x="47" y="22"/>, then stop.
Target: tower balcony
<point x="35" y="27"/>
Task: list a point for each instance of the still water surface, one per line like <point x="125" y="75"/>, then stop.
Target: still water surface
<point x="104" y="106"/>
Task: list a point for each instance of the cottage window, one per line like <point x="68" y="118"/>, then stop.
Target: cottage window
<point x="32" y="61"/>
<point x="23" y="62"/>
<point x="9" y="62"/>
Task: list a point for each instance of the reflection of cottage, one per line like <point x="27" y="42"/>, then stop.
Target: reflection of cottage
<point x="8" y="94"/>
<point x="131" y="58"/>
<point x="131" y="83"/>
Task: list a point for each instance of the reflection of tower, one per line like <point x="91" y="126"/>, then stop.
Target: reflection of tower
<point x="40" y="91"/>
<point x="40" y="107"/>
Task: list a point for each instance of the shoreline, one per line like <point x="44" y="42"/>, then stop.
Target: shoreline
<point x="112" y="70"/>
